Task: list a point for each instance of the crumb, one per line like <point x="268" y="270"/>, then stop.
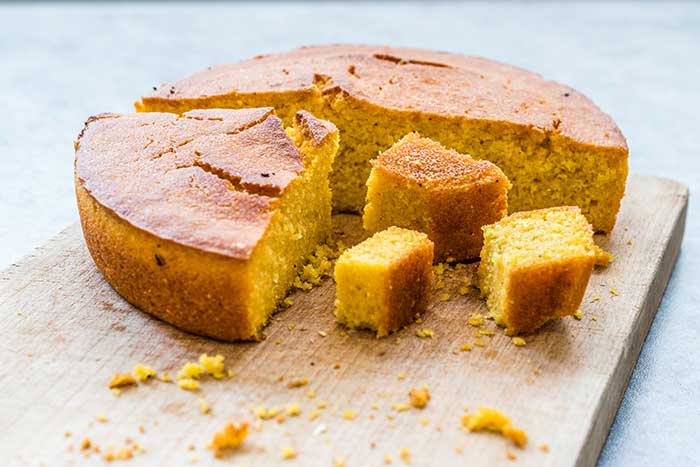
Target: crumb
<point x="602" y="257"/>
<point x="294" y="409"/>
<point x="400" y="407"/>
<point x="230" y="373"/>
<point x="578" y="315"/>
<point x="424" y="421"/>
<point x="213" y="366"/>
<point x="287" y="302"/>
<point x="536" y="370"/>
<point x="116" y="392"/>
<point x="544" y="447"/>
<point x="629" y="242"/>
<point x="405" y="455"/>
<point x="439" y="284"/>
<point x="465" y="348"/>
<point x="419" y="397"/>
<point x="476" y="320"/>
<point x="143" y="372"/>
<point x="102" y="418"/>
<point x="458" y="450"/>
<point x="142" y="429"/>
<point x="67" y="434"/>
<point x="291" y="326"/>
<point x="339" y="462"/>
<point x="190" y="371"/>
<point x="479" y="343"/>
<point x="313" y="415"/>
<point x="188" y="384"/>
<point x="401" y="375"/>
<point x="204" y="406"/>
<point x="322" y="333"/>
<point x="310" y="394"/>
<point x="445" y="297"/>
<point x="613" y="291"/>
<point x="487" y="419"/>
<point x="165" y="377"/>
<point x="374" y="406"/>
<point x="594" y="318"/>
<point x="230" y="437"/>
<point x="518" y="341"/>
<point x="280" y="418"/>
<point x="595" y="299"/>
<point x="349" y="414"/>
<point x="321" y="404"/>
<point x="425" y="333"/>
<point x="387" y="459"/>
<point x="120" y="380"/>
<point x="263" y="413"/>
<point x="463" y="290"/>
<point x="510" y="456"/>
<point x="298" y="383"/>
<point x="86" y="444"/>
<point x="288" y="453"/>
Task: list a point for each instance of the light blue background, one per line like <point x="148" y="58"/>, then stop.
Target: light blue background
<point x="640" y="62"/>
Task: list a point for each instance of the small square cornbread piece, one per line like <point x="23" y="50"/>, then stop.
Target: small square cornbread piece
<point x="418" y="184"/>
<point x="535" y="266"/>
<point x="384" y="282"/>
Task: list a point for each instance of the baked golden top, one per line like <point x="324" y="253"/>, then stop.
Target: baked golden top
<point x="412" y="80"/>
<point x="208" y="179"/>
<point x="430" y="164"/>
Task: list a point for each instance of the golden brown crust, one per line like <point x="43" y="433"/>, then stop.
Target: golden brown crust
<point x="317" y="129"/>
<point x="411" y="80"/>
<point x="207" y="179"/>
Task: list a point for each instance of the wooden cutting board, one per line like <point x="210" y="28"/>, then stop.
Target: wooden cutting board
<point x="65" y="332"/>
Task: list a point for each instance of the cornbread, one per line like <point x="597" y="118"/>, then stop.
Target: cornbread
<point x="384" y="282"/>
<point x="230" y="437"/>
<point x="554" y="144"/>
<point x="204" y="219"/>
<point x="418" y="184"/>
<point x="535" y="266"/>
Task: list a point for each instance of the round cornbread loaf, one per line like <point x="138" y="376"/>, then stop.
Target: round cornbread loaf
<point x="554" y="144"/>
<point x="203" y="219"/>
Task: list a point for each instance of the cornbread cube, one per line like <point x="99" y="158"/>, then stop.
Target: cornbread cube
<point x="418" y="184"/>
<point x="383" y="282"/>
<point x="535" y="266"/>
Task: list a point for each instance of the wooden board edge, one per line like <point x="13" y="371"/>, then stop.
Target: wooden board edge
<point x="617" y="384"/>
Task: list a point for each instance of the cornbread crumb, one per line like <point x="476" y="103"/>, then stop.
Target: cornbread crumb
<point x="405" y="455"/>
<point x="400" y="407"/>
<point x="310" y="394"/>
<point x="190" y="370"/>
<point x="339" y="462"/>
<point x="288" y="453"/>
<point x="321" y="404"/>
<point x="120" y="380"/>
<point x="602" y="257"/>
<point x="544" y="447"/>
<point x="116" y="392"/>
<point x="445" y="297"/>
<point x="419" y="397"/>
<point x="629" y="242"/>
<point x="297" y="383"/>
<point x="102" y="418"/>
<point x="479" y="343"/>
<point x="510" y="456"/>
<point x="485" y="332"/>
<point x="313" y="415"/>
<point x="142" y="429"/>
<point x="387" y="459"/>
<point x="518" y="341"/>
<point x="594" y="318"/>
<point x="613" y="291"/>
<point x="165" y="377"/>
<point x="458" y="450"/>
<point x="204" y="406"/>
<point x="294" y="409"/>
<point x="322" y="333"/>
<point x="349" y="414"/>
<point x="291" y="326"/>
<point x="118" y="455"/>
<point x="578" y="315"/>
<point x="425" y="333"/>
<point x="374" y="406"/>
<point x="401" y="375"/>
<point x="595" y="298"/>
<point x="213" y="366"/>
<point x="487" y="419"/>
<point x="143" y="372"/>
<point x="465" y="347"/>
<point x="424" y="421"/>
<point x="264" y="413"/>
<point x="188" y="384"/>
<point x="230" y="437"/>
<point x="476" y="320"/>
<point x="86" y="444"/>
<point x="463" y="290"/>
<point x="67" y="434"/>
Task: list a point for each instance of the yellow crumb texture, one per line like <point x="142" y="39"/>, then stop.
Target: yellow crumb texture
<point x="419" y="397"/>
<point x="518" y="341"/>
<point x="288" y="453"/>
<point x="488" y="419"/>
<point x="213" y="366"/>
<point x="120" y="380"/>
<point x="188" y="384"/>
<point x="425" y="333"/>
<point x="143" y="372"/>
<point x="230" y="437"/>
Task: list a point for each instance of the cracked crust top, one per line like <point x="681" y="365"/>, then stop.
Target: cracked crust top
<point x="208" y="179"/>
<point x="412" y="80"/>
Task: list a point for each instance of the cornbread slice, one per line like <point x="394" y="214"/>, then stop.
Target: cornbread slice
<point x="418" y="184"/>
<point x="204" y="219"/>
<point x="383" y="282"/>
<point x="535" y="266"/>
<point x="554" y="144"/>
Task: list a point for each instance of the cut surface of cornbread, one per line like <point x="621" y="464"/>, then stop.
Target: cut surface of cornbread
<point x="554" y="144"/>
<point x="384" y="282"/>
<point x="418" y="184"/>
<point x="203" y="219"/>
<point x="535" y="266"/>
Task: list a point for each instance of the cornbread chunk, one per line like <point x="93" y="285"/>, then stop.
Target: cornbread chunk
<point x="554" y="144"/>
<point x="488" y="419"/>
<point x="383" y="282"/>
<point x="419" y="184"/>
<point x="203" y="219"/>
<point x="535" y="266"/>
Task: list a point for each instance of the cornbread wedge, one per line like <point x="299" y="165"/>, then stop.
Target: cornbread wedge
<point x="535" y="266"/>
<point x="384" y="282"/>
<point x="554" y="144"/>
<point x="418" y="184"/>
<point x="204" y="219"/>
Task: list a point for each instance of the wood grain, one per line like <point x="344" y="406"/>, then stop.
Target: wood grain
<point x="65" y="332"/>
